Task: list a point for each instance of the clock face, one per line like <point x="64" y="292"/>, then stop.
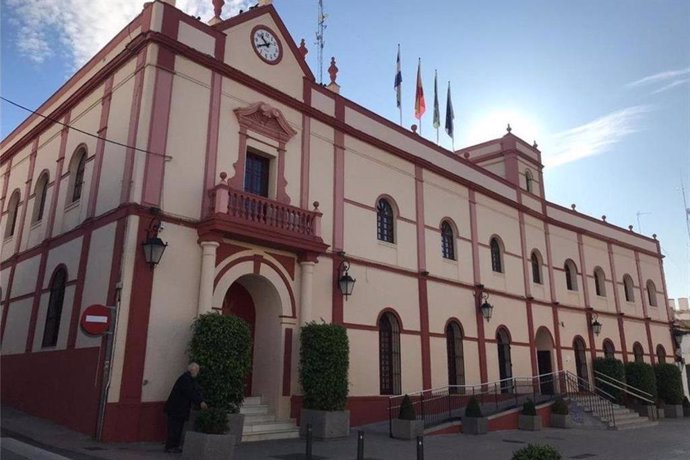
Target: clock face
<point x="266" y="45"/>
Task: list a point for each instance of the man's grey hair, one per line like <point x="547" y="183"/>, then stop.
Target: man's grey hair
<point x="192" y="366"/>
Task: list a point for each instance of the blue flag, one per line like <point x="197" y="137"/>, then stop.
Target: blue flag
<point x="437" y="112"/>
<point x="398" y="81"/>
<point x="450" y="115"/>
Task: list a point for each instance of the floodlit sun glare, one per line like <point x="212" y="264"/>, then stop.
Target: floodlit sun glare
<point x="492" y="125"/>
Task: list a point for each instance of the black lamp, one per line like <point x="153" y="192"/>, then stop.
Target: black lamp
<point x="346" y="283"/>
<point x="486" y="308"/>
<point x="154" y="247"/>
<point x="596" y="325"/>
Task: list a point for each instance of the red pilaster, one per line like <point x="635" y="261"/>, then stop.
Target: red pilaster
<point x="100" y="146"/>
<point x="481" y="341"/>
<point x="621" y="321"/>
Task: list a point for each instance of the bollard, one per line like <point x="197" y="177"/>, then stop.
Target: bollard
<point x="360" y="445"/>
<point x="420" y="447"/>
<point x="309" y="442"/>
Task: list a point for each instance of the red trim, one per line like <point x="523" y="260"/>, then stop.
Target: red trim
<point x="38" y="292"/>
<point x="532" y="339"/>
<point x="79" y="291"/>
<point x="27" y="190"/>
<point x="621" y="325"/>
<point x="476" y="273"/>
<point x="278" y="42"/>
<point x="257" y="258"/>
<point x="5" y="311"/>
<point x="237" y="179"/>
<point x="100" y="146"/>
<point x="134" y="421"/>
<point x="287" y="262"/>
<point x="135" y="112"/>
<point x="212" y="140"/>
<point x="306" y="158"/>
<point x="338" y="211"/>
<point x="287" y="362"/>
<point x="138" y="323"/>
<point x="424" y="330"/>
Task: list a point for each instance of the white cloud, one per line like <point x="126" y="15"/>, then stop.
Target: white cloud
<point x="80" y="28"/>
<point x="676" y="78"/>
<point x="593" y="138"/>
<point x="672" y="85"/>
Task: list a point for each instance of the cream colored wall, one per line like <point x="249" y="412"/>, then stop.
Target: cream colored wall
<point x="195" y="38"/>
<point x="67" y="254"/>
<point x="535" y="239"/>
<point x="446" y="302"/>
<point x="635" y="331"/>
<point x="624" y="260"/>
<point x="65" y="319"/>
<point x="16" y="330"/>
<point x="25" y="277"/>
<point x="322" y="299"/>
<point x="321" y="164"/>
<point x="596" y="255"/>
<point x="564" y="246"/>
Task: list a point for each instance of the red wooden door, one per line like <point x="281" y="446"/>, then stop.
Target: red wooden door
<point x="238" y="302"/>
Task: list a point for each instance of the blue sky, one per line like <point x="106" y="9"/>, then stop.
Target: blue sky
<point x="603" y="86"/>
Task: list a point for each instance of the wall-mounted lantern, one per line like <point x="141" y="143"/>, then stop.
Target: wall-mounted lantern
<point x="596" y="325"/>
<point x="153" y="246"/>
<point x="486" y="308"/>
<point x="346" y="283"/>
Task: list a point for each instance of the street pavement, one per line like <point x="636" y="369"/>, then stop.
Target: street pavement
<point x="670" y="440"/>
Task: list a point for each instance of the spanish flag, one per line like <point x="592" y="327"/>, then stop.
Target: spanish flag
<point x="419" y="104"/>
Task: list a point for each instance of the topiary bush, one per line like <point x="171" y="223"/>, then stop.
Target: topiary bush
<point x="528" y="408"/>
<point x="669" y="383"/>
<point x="537" y="452"/>
<point x="407" y="409"/>
<point x="613" y="368"/>
<point x="212" y="421"/>
<point x="559" y="407"/>
<point x="324" y="359"/>
<point x="222" y="346"/>
<point x="473" y="408"/>
<point x="641" y="376"/>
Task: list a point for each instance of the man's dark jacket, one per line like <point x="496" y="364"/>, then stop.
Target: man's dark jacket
<point x="185" y="392"/>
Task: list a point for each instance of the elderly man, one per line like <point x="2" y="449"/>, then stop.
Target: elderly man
<point x="185" y="392"/>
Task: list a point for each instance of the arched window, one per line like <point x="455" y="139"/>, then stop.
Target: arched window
<point x="505" y="365"/>
<point x="389" y="354"/>
<point x="456" y="358"/>
<point x="600" y="282"/>
<point x="40" y="193"/>
<point x="385" y="221"/>
<point x="651" y="293"/>
<point x="570" y="275"/>
<point x="12" y="213"/>
<point x="57" y="297"/>
<point x="536" y="267"/>
<point x="529" y="181"/>
<point x="638" y="352"/>
<point x="447" y="241"/>
<point x="581" y="360"/>
<point x="76" y="172"/>
<point x="628" y="288"/>
<point x="609" y="349"/>
<point x="661" y="354"/>
<point x="496" y="256"/>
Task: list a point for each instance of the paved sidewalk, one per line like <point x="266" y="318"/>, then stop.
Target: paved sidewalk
<point x="670" y="440"/>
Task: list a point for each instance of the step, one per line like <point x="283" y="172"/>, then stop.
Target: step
<point x="643" y="424"/>
<point x="269" y="436"/>
<point x="252" y="401"/>
<point x="256" y="409"/>
<point x="269" y="427"/>
<point x="258" y="418"/>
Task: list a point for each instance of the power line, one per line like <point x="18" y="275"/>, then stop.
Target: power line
<point x="84" y="132"/>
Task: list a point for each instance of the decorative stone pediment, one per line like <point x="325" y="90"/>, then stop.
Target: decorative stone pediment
<point x="266" y="120"/>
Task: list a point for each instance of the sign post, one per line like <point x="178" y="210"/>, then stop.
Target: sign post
<point x="95" y="319"/>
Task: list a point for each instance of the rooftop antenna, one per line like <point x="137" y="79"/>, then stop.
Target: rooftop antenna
<point x="685" y="205"/>
<point x="638" y="214"/>
<point x="320" y="40"/>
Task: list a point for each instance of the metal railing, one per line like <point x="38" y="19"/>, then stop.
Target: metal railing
<point x="598" y="400"/>
<point x="604" y="379"/>
<point x="439" y="405"/>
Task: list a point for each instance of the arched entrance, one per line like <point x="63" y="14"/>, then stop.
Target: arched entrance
<point x="456" y="359"/>
<point x="544" y="344"/>
<point x="238" y="302"/>
<point x="581" y="360"/>
<point x="505" y="365"/>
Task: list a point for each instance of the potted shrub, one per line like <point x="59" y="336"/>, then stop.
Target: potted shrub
<point x="686" y="406"/>
<point x="473" y="422"/>
<point x="559" y="414"/>
<point x="615" y="369"/>
<point x="641" y="376"/>
<point x="406" y="426"/>
<point x="670" y="388"/>
<point x="537" y="452"/>
<point x="529" y="419"/>
<point x="222" y="346"/>
<point x="323" y="374"/>
<point x="210" y="440"/>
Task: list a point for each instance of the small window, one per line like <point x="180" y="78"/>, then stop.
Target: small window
<point x="40" y="194"/>
<point x="628" y="288"/>
<point x="496" y="256"/>
<point x="12" y="214"/>
<point x="385" y="221"/>
<point x="77" y="172"/>
<point x="529" y="181"/>
<point x="570" y="275"/>
<point x="54" y="314"/>
<point x="638" y="352"/>
<point x="256" y="174"/>
<point x="389" y="355"/>
<point x="447" y="241"/>
<point x="536" y="268"/>
<point x="609" y="349"/>
<point x="600" y="282"/>
<point x="661" y="354"/>
<point x="651" y="293"/>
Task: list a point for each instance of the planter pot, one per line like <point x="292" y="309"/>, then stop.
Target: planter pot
<point x="673" y="410"/>
<point x="325" y="424"/>
<point x="236" y="426"/>
<point x="561" y="421"/>
<point x="529" y="422"/>
<point x="407" y="429"/>
<point x="208" y="446"/>
<point x="660" y="413"/>
<point x="686" y="411"/>
<point x="475" y="425"/>
<point x="648" y="411"/>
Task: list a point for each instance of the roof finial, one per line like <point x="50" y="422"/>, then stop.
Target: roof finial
<point x="217" y="11"/>
<point x="333" y="70"/>
<point x="303" y="49"/>
<point x="509" y="129"/>
<point x="535" y="145"/>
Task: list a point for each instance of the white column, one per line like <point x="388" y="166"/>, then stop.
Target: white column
<point x="306" y="287"/>
<point x="208" y="270"/>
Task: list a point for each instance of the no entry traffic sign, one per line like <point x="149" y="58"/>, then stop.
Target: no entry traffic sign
<point x="95" y="320"/>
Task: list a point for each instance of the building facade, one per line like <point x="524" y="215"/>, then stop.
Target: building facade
<point x="265" y="182"/>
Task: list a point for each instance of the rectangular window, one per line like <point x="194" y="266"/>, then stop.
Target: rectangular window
<point x="256" y="174"/>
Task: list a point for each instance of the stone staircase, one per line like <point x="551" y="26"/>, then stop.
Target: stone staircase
<point x="624" y="418"/>
<point x="261" y="425"/>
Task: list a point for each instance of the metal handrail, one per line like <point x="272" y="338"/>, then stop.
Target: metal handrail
<point x="625" y="387"/>
<point x="592" y="388"/>
<point x="601" y="405"/>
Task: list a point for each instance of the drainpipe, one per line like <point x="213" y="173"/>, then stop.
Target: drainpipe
<point x="107" y="363"/>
